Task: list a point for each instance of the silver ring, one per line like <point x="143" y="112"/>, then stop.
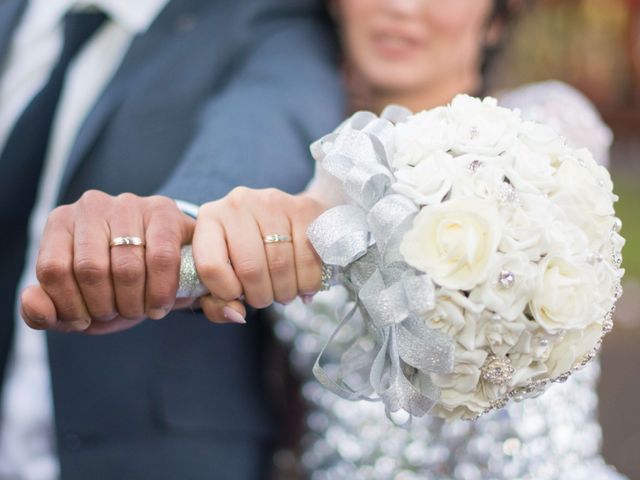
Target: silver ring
<point x="121" y="241"/>
<point x="276" y="238"/>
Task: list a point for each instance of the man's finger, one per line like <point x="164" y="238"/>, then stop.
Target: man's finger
<point x="37" y="308"/>
<point x="92" y="263"/>
<point x="167" y="230"/>
<point x="128" y="261"/>
<point x="54" y="270"/>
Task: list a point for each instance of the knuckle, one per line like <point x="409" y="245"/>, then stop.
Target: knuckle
<point x="90" y="272"/>
<point x="238" y="196"/>
<point x="60" y="213"/>
<point x="163" y="258"/>
<point x="279" y="265"/>
<point x="210" y="271"/>
<point x="128" y="198"/>
<point x="249" y="270"/>
<point x="163" y="203"/>
<point x="127" y="270"/>
<point x="50" y="271"/>
<point x="93" y="196"/>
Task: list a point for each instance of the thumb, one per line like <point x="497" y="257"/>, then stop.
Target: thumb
<point x="37" y="308"/>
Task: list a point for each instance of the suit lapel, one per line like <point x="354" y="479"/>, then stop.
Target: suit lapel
<point x="10" y="11"/>
<point x="140" y="54"/>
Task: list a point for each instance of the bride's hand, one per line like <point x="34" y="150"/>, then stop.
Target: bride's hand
<point x="237" y="264"/>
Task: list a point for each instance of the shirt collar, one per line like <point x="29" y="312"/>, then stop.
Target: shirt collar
<point x="134" y="16"/>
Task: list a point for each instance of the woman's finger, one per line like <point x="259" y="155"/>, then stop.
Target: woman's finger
<point x="307" y="262"/>
<point x="246" y="249"/>
<point x="276" y="235"/>
<point x="211" y="255"/>
<point x="219" y="311"/>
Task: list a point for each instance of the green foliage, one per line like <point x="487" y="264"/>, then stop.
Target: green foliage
<point x="627" y="187"/>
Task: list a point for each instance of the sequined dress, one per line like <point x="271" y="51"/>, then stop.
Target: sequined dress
<point x="553" y="437"/>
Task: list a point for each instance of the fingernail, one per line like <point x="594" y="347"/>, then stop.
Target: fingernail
<point x="233" y="316"/>
<point x="158" y="313"/>
<point x="307" y="298"/>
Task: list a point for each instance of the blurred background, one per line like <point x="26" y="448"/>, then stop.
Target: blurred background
<point x="595" y="46"/>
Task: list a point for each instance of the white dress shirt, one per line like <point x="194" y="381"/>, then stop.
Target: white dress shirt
<point x="27" y="448"/>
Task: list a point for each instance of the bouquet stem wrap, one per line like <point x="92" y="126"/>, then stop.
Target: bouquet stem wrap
<point x="393" y="357"/>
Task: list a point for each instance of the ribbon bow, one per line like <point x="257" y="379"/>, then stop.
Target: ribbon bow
<point x="393" y="352"/>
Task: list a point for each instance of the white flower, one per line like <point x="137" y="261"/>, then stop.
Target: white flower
<point x="483" y="180"/>
<point x="429" y="181"/>
<point x="454" y="405"/>
<point x="509" y="286"/>
<point x="564" y="295"/>
<point x="584" y="194"/>
<point x="491" y="331"/>
<point x="481" y="126"/>
<point x="420" y="136"/>
<point x="454" y="242"/>
<point x="530" y="171"/>
<point x="448" y="315"/>
<point x="466" y="372"/>
<point x="542" y="139"/>
<point x="571" y="349"/>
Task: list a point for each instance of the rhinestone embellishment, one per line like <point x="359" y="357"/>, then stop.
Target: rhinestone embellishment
<point x="506" y="193"/>
<point x="474" y="132"/>
<point x="474" y="165"/>
<point x="497" y="371"/>
<point x="506" y="278"/>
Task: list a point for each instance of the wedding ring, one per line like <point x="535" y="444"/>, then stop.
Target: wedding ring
<point x="122" y="241"/>
<point x="276" y="238"/>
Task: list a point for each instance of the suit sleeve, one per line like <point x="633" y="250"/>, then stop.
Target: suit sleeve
<point x="256" y="132"/>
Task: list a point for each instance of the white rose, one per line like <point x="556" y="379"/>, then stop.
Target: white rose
<point x="530" y="171"/>
<point x="483" y="180"/>
<point x="542" y="139"/>
<point x="454" y="405"/>
<point x="466" y="371"/>
<point x="481" y="126"/>
<point x="571" y="349"/>
<point x="454" y="242"/>
<point x="421" y="135"/>
<point x="509" y="286"/>
<point x="448" y="316"/>
<point x="486" y="330"/>
<point x="564" y="295"/>
<point x="585" y="195"/>
<point x="429" y="181"/>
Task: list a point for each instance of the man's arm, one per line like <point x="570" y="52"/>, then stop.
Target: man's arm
<point x="257" y="131"/>
<point x="285" y="93"/>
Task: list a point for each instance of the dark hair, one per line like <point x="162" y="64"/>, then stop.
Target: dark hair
<point x="503" y="12"/>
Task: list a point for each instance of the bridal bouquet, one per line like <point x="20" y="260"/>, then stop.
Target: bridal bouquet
<point x="481" y="254"/>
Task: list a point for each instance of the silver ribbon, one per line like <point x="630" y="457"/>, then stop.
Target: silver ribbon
<point x="392" y="355"/>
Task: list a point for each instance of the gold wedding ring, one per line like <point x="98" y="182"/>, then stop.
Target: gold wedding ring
<point x="276" y="238"/>
<point x="122" y="241"/>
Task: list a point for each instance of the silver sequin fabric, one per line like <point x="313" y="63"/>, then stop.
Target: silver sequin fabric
<point x="553" y="437"/>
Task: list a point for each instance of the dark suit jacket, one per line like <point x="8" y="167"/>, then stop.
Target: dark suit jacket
<point x="215" y="95"/>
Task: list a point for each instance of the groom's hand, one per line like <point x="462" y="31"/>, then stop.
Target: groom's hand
<point x="88" y="285"/>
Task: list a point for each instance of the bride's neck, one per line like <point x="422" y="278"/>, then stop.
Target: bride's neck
<point x="427" y="97"/>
